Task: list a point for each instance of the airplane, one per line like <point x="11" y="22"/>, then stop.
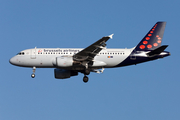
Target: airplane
<point x="69" y="62"/>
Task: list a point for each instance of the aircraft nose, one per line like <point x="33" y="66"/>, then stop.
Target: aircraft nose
<point x="12" y="61"/>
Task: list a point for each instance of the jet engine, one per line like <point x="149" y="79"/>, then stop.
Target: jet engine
<point x="63" y="61"/>
<point x="63" y="74"/>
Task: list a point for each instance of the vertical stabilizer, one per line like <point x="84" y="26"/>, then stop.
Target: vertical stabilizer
<point x="153" y="38"/>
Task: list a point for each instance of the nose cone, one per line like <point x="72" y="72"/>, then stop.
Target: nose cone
<point x="12" y="61"/>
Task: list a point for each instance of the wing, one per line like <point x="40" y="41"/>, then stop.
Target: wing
<point x="91" y="51"/>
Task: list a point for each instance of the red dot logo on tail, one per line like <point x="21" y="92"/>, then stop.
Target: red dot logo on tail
<point x="159" y="41"/>
<point x="147" y="38"/>
<point x="149" y="46"/>
<point x="141" y="46"/>
<point x="145" y="42"/>
<point x="155" y="44"/>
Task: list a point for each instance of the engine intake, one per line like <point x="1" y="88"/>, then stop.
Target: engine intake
<point x="63" y="74"/>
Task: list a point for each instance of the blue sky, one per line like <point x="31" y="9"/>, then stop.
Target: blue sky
<point x="143" y="92"/>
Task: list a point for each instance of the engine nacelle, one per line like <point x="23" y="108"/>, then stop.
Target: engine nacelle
<point x="64" y="61"/>
<point x="63" y="74"/>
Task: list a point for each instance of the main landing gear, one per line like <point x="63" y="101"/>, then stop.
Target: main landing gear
<point x="85" y="78"/>
<point x="33" y="74"/>
<point x="87" y="72"/>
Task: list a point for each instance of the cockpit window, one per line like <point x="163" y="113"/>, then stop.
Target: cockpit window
<point x="21" y="53"/>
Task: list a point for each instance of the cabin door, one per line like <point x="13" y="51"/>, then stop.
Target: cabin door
<point x="33" y="53"/>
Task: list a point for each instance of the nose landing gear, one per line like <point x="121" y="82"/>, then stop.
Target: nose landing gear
<point x="33" y="74"/>
<point x="85" y="79"/>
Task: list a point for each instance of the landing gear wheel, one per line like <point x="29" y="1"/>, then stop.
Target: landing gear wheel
<point x="33" y="75"/>
<point x="87" y="72"/>
<point x="85" y="79"/>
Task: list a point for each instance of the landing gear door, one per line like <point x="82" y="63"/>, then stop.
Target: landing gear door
<point x="33" y="53"/>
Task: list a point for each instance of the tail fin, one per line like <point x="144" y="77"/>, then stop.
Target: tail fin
<point x="153" y="38"/>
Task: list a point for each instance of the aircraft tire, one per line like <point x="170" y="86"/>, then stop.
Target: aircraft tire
<point x="33" y="75"/>
<point x="87" y="72"/>
<point x="85" y="79"/>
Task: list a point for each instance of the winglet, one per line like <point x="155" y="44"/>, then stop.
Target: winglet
<point x="111" y="36"/>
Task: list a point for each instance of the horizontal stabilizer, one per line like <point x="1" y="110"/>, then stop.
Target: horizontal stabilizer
<point x="157" y="51"/>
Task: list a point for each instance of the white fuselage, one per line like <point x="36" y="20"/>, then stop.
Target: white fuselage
<point x="45" y="57"/>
